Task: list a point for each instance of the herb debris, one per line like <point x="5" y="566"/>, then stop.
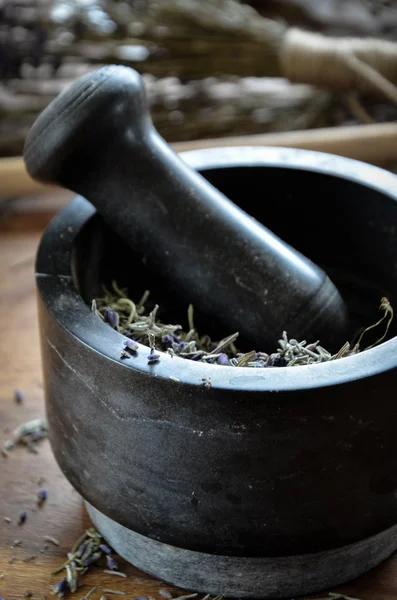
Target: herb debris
<point x="119" y="573"/>
<point x="49" y="538"/>
<point x="22" y="517"/>
<point x="140" y="326"/>
<point x="28" y="435"/>
<point x="18" y="397"/>
<point x="88" y="550"/>
<point x="41" y="496"/>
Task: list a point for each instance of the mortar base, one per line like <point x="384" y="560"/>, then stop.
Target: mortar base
<point x="245" y="577"/>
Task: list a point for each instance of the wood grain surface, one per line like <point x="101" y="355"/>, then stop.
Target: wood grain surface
<point x="21" y="473"/>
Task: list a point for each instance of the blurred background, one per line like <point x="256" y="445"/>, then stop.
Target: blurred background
<point x="210" y="67"/>
<point x="212" y="71"/>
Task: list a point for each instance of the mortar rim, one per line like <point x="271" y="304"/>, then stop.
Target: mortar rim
<point x="366" y="364"/>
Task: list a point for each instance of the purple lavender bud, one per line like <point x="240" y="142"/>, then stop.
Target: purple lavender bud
<point x="223" y="359"/>
<point x="257" y="363"/>
<point x="81" y="549"/>
<point x="167" y="340"/>
<point x="105" y="549"/>
<point x="112" y="563"/>
<point x="91" y="560"/>
<point x="153" y="357"/>
<point x="18" y="396"/>
<point x="42" y="495"/>
<point x="22" y="517"/>
<point x="131" y="345"/>
<point x="61" y="587"/>
<point x="275" y="360"/>
<point x="110" y="316"/>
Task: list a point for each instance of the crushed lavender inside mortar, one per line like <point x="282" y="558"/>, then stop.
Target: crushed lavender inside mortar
<point x="138" y="325"/>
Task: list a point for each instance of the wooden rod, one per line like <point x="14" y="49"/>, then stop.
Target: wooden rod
<point x="375" y="144"/>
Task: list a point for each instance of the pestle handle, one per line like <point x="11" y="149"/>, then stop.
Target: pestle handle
<point x="97" y="139"/>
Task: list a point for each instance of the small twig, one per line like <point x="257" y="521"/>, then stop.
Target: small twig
<point x="49" y="538"/>
<point x="89" y="594"/>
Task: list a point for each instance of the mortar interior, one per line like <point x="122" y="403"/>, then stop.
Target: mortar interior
<point x="347" y="228"/>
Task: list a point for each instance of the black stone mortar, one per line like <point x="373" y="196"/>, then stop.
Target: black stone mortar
<point x="270" y="482"/>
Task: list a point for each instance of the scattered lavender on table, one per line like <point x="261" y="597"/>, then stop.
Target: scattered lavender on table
<point x="18" y="397"/>
<point x="89" y="594"/>
<point x="41" y="496"/>
<point x="55" y="541"/>
<point x="112" y="563"/>
<point x="60" y="588"/>
<point x="89" y="550"/>
<point x="28" y="434"/>
<point x="143" y="327"/>
<point x="22" y="517"/>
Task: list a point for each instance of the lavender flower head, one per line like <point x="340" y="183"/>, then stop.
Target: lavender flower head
<point x="223" y="359"/>
<point x="42" y="495"/>
<point x="22" y="517"/>
<point x="153" y="357"/>
<point x="111" y="316"/>
<point x="105" y="549"/>
<point x="131" y="345"/>
<point x="81" y="549"/>
<point x="18" y="397"/>
<point x="61" y="587"/>
<point x="167" y="340"/>
<point x="112" y="563"/>
<point x="91" y="560"/>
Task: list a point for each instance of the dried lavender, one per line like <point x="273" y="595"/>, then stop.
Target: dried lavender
<point x="41" y="496"/>
<point x="141" y="326"/>
<point x="22" y="517"/>
<point x="18" y="397"/>
<point x="112" y="563"/>
<point x="118" y="573"/>
<point x="55" y="541"/>
<point x="90" y="549"/>
<point x="28" y="435"/>
<point x="89" y="594"/>
<point x="60" y="588"/>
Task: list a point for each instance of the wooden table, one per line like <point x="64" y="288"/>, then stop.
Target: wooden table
<point x="63" y="515"/>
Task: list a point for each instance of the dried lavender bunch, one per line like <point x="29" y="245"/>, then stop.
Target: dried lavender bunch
<point x="139" y="325"/>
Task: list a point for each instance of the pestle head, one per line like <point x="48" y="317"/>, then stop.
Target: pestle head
<point x="97" y="139"/>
